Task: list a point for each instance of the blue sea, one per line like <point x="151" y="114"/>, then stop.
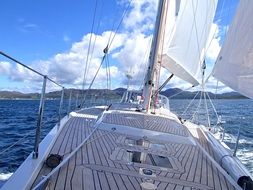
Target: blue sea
<point x="18" y="123"/>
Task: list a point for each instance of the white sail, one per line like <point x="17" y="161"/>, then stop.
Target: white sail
<point x="187" y="28"/>
<point x="234" y="65"/>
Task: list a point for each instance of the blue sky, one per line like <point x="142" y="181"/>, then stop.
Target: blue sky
<point x="35" y="32"/>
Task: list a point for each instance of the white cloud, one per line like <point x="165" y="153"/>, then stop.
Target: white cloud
<point x="214" y="87"/>
<point x="5" y="67"/>
<point x="142" y="15"/>
<point x="17" y="72"/>
<point x="67" y="68"/>
<point x="133" y="56"/>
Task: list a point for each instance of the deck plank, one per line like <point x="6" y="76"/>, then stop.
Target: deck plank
<point x="62" y="145"/>
<point x="96" y="180"/>
<point x="77" y="175"/>
<point x="55" y="150"/>
<point x="72" y="161"/>
<point x="92" y="168"/>
<point x="61" y="180"/>
<point x="88" y="179"/>
<point x="197" y="175"/>
<point x="204" y="174"/>
<point x="155" y="123"/>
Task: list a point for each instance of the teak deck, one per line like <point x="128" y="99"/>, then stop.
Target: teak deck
<point x="102" y="163"/>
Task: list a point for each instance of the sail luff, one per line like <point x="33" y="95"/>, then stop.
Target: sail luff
<point x="234" y="65"/>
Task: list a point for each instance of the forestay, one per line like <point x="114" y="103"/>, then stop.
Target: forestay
<point x="187" y="28"/>
<point x="234" y="66"/>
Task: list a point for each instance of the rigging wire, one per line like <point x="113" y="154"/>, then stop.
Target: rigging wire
<point x="216" y="88"/>
<point x="108" y="76"/>
<point x="121" y="20"/>
<point x="93" y="47"/>
<point x="190" y="103"/>
<point x="197" y="109"/>
<point x="207" y="112"/>
<point x="109" y="72"/>
<point x="110" y="40"/>
<point x="228" y="15"/>
<point x="204" y="93"/>
<point x="89" y="46"/>
<point x="107" y="79"/>
<point x="95" y="39"/>
<point x="211" y="102"/>
<point x="181" y="92"/>
<point x="94" y="78"/>
<point x="106" y="72"/>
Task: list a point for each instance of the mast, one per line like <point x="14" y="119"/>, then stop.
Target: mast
<point x="153" y="58"/>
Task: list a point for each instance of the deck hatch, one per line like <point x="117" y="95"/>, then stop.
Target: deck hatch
<point x="147" y="158"/>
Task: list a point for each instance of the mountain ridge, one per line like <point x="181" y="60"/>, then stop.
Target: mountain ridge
<point x="173" y="93"/>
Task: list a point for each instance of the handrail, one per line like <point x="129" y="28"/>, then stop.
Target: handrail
<point x="39" y="120"/>
<point x="55" y="82"/>
<point x="31" y="69"/>
<point x="77" y="99"/>
<point x="238" y="137"/>
<point x="42" y="100"/>
<point x="70" y="99"/>
<point x="60" y="107"/>
<point x="13" y="59"/>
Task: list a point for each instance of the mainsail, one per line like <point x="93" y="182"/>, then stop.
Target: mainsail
<point x="234" y="66"/>
<point x="187" y="28"/>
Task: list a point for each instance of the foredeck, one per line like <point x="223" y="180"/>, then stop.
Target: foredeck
<point x="149" y="122"/>
<point x="105" y="161"/>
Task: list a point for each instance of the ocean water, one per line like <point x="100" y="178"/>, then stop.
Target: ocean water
<point x="18" y="124"/>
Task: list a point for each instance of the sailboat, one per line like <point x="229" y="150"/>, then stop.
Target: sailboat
<point x="141" y="144"/>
